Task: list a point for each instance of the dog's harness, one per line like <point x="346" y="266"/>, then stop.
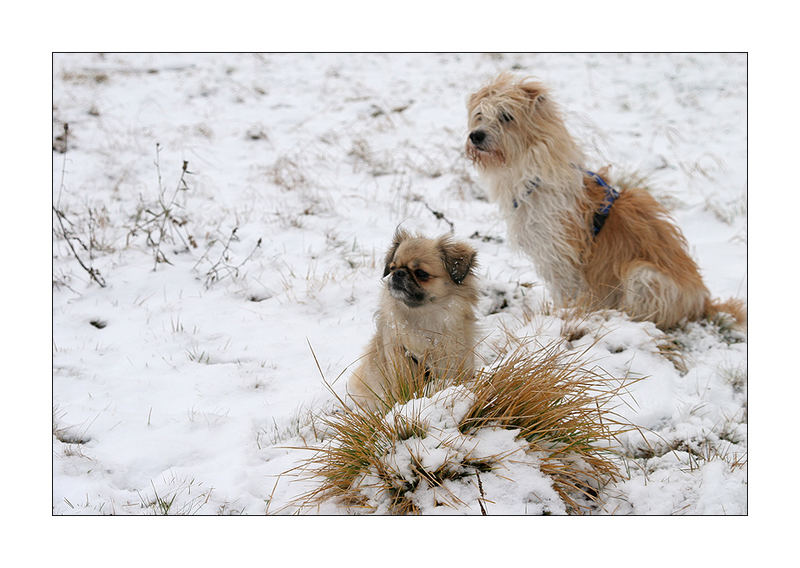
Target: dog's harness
<point x="426" y="370"/>
<point x="600" y="215"/>
<point x="530" y="185"/>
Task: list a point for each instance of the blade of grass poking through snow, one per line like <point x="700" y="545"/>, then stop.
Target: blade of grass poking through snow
<point x="428" y="438"/>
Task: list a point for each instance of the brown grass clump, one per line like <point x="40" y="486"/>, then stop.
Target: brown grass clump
<point x="555" y="412"/>
<point x="362" y="438"/>
<point x="562" y="410"/>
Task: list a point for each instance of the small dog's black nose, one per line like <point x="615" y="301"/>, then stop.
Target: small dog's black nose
<point x="477" y="136"/>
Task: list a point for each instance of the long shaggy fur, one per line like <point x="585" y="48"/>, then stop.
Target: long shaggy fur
<point x="638" y="262"/>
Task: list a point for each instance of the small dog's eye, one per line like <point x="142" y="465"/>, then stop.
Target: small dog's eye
<point x="505" y="117"/>
<point x="421" y="275"/>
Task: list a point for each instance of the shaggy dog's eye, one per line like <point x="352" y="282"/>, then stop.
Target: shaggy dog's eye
<point x="421" y="275"/>
<point x="505" y="117"/>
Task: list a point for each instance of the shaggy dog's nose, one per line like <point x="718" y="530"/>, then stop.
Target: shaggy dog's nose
<point x="477" y="136"/>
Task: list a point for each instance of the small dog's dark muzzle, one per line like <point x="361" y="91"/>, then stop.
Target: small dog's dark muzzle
<point x="405" y="288"/>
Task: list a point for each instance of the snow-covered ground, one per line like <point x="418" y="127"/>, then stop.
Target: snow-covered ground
<point x="186" y="386"/>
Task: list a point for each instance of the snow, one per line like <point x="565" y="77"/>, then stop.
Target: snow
<point x="197" y="392"/>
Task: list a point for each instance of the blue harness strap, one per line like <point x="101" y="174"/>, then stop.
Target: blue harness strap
<point x="530" y="185"/>
<point x="600" y="215"/>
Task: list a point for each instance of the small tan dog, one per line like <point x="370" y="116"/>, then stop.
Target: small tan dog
<point x="426" y="317"/>
<point x="591" y="244"/>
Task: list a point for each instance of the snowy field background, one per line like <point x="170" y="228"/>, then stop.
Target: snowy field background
<point x="180" y="389"/>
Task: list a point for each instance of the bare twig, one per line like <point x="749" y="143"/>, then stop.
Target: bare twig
<point x="222" y="268"/>
<point x="63" y="165"/>
<point x="93" y="273"/>
<point x="440" y="215"/>
<point x="160" y="222"/>
<point x="480" y="488"/>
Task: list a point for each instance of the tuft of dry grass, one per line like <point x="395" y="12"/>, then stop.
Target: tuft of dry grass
<point x="671" y="348"/>
<point x="560" y="412"/>
<point x="287" y="173"/>
<point x="730" y="318"/>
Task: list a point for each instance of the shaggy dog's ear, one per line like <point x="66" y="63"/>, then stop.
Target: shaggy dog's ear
<point x="534" y="91"/>
<point x="399" y="236"/>
<point x="458" y="259"/>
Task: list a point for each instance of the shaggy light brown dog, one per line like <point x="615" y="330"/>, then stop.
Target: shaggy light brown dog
<point x="590" y="243"/>
<point x="426" y="318"/>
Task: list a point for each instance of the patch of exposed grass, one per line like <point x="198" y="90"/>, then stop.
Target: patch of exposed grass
<point x="67" y="434"/>
<point x="180" y="496"/>
<point x="196" y="355"/>
<point x="671" y="348"/>
<point x="288" y="173"/>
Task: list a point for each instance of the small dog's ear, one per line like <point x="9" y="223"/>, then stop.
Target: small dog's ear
<point x="399" y="236"/>
<point x="458" y="258"/>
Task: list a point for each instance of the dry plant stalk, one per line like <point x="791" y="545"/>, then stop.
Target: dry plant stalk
<point x="68" y="235"/>
<point x="159" y="222"/>
<point x="223" y="268"/>
<point x="563" y="412"/>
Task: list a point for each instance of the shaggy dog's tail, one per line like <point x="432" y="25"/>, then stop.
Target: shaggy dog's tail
<point x="725" y="309"/>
